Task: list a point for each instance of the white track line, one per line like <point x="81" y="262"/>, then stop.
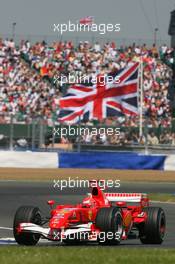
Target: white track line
<point x="7" y="241"/>
<point x="6" y="228"/>
<point x="11" y="240"/>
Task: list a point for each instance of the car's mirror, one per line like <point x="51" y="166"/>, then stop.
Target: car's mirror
<point x="51" y="203"/>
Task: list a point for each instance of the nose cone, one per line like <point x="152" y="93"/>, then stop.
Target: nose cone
<point x="60" y="218"/>
<point x="58" y="221"/>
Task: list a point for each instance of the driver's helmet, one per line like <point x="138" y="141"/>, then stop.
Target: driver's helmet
<point x="89" y="202"/>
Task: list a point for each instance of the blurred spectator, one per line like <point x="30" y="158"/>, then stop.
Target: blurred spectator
<point x="152" y="139"/>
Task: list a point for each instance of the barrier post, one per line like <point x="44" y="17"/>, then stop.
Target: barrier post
<point x="79" y="136"/>
<point x="146" y="135"/>
<point x="53" y="135"/>
<point x="33" y="134"/>
<point x="41" y="133"/>
<point x="11" y="133"/>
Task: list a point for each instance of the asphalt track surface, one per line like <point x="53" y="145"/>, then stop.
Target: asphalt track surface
<point x="14" y="194"/>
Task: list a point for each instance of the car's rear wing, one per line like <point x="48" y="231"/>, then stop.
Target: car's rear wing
<point x="126" y="197"/>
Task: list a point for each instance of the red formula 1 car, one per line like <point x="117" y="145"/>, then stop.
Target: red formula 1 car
<point x="107" y="218"/>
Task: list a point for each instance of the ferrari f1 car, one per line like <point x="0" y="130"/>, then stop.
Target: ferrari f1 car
<point x="107" y="218"/>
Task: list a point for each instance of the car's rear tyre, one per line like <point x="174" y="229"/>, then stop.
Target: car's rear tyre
<point x="153" y="230"/>
<point x="110" y="222"/>
<point x="26" y="214"/>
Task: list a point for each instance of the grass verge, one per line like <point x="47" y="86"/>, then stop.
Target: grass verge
<point x="52" y="255"/>
<point x="162" y="197"/>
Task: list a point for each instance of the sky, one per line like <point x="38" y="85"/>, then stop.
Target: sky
<point x="138" y="18"/>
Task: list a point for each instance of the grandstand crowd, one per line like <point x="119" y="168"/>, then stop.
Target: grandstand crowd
<point x="28" y="90"/>
<point x="130" y="138"/>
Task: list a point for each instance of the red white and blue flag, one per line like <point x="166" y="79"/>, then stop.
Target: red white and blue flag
<point x="86" y="20"/>
<point x="100" y="100"/>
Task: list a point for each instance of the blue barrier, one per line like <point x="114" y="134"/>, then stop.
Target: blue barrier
<point x="111" y="160"/>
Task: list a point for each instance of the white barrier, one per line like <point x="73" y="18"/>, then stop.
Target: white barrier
<point x="169" y="163"/>
<point x="28" y="159"/>
<point x="12" y="159"/>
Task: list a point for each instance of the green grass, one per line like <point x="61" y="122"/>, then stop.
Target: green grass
<point x="78" y="255"/>
<point x="163" y="197"/>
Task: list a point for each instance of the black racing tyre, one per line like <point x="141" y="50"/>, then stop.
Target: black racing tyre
<point x="109" y="221"/>
<point x="153" y="231"/>
<point x="26" y="214"/>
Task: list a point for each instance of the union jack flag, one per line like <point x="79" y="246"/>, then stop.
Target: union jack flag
<point x="102" y="99"/>
<point x="86" y="20"/>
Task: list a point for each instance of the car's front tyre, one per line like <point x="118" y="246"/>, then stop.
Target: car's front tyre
<point x="26" y="214"/>
<point x="110" y="222"/>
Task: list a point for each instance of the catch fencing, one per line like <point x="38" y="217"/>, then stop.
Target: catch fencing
<point x="37" y="135"/>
